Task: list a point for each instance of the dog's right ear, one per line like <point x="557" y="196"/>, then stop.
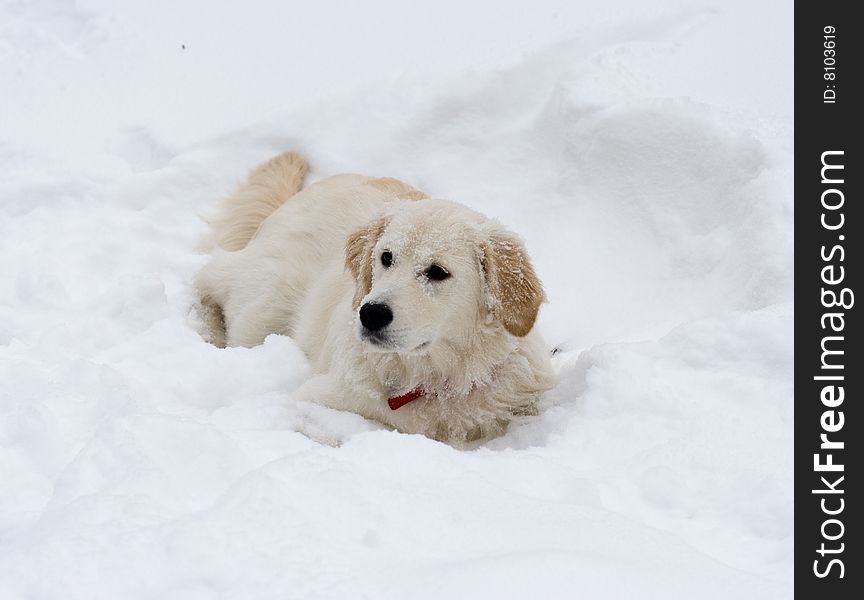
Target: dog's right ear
<point x="358" y="257"/>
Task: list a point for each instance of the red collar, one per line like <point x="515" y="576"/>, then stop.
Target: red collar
<point x="399" y="401"/>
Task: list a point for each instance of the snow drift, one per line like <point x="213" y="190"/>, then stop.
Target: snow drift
<point x="655" y="198"/>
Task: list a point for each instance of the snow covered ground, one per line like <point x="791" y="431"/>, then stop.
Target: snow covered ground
<point x="642" y="149"/>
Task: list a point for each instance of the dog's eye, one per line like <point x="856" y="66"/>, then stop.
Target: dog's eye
<point x="436" y="273"/>
<point x="386" y="258"/>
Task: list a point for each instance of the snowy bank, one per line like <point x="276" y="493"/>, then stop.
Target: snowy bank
<point x="643" y="152"/>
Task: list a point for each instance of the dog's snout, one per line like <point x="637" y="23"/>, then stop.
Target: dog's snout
<point x="375" y="316"/>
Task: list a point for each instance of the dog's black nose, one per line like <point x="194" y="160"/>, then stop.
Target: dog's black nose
<point x="375" y="316"/>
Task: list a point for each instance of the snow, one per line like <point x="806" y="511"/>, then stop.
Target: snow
<point x="643" y="151"/>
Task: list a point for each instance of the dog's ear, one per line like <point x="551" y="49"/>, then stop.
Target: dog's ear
<point x="358" y="256"/>
<point x="515" y="290"/>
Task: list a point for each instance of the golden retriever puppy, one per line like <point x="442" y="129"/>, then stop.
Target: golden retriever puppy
<point x="414" y="312"/>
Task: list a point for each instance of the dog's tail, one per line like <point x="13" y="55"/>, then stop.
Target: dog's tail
<point x="268" y="187"/>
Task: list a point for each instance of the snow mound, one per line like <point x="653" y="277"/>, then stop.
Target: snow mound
<point x="140" y="462"/>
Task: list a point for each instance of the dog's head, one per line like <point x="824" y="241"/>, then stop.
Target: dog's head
<point x="435" y="271"/>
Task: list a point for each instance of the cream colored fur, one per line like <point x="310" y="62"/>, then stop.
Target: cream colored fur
<point x="301" y="263"/>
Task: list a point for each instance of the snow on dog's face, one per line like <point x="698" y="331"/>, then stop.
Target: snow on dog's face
<point x="434" y="272"/>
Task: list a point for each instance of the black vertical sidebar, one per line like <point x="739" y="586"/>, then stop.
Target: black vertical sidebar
<point x="829" y="373"/>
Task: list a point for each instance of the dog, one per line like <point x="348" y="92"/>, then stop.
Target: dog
<point x="414" y="312"/>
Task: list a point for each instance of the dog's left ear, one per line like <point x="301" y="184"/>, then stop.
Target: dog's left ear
<point x="358" y="257"/>
<point x="516" y="291"/>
